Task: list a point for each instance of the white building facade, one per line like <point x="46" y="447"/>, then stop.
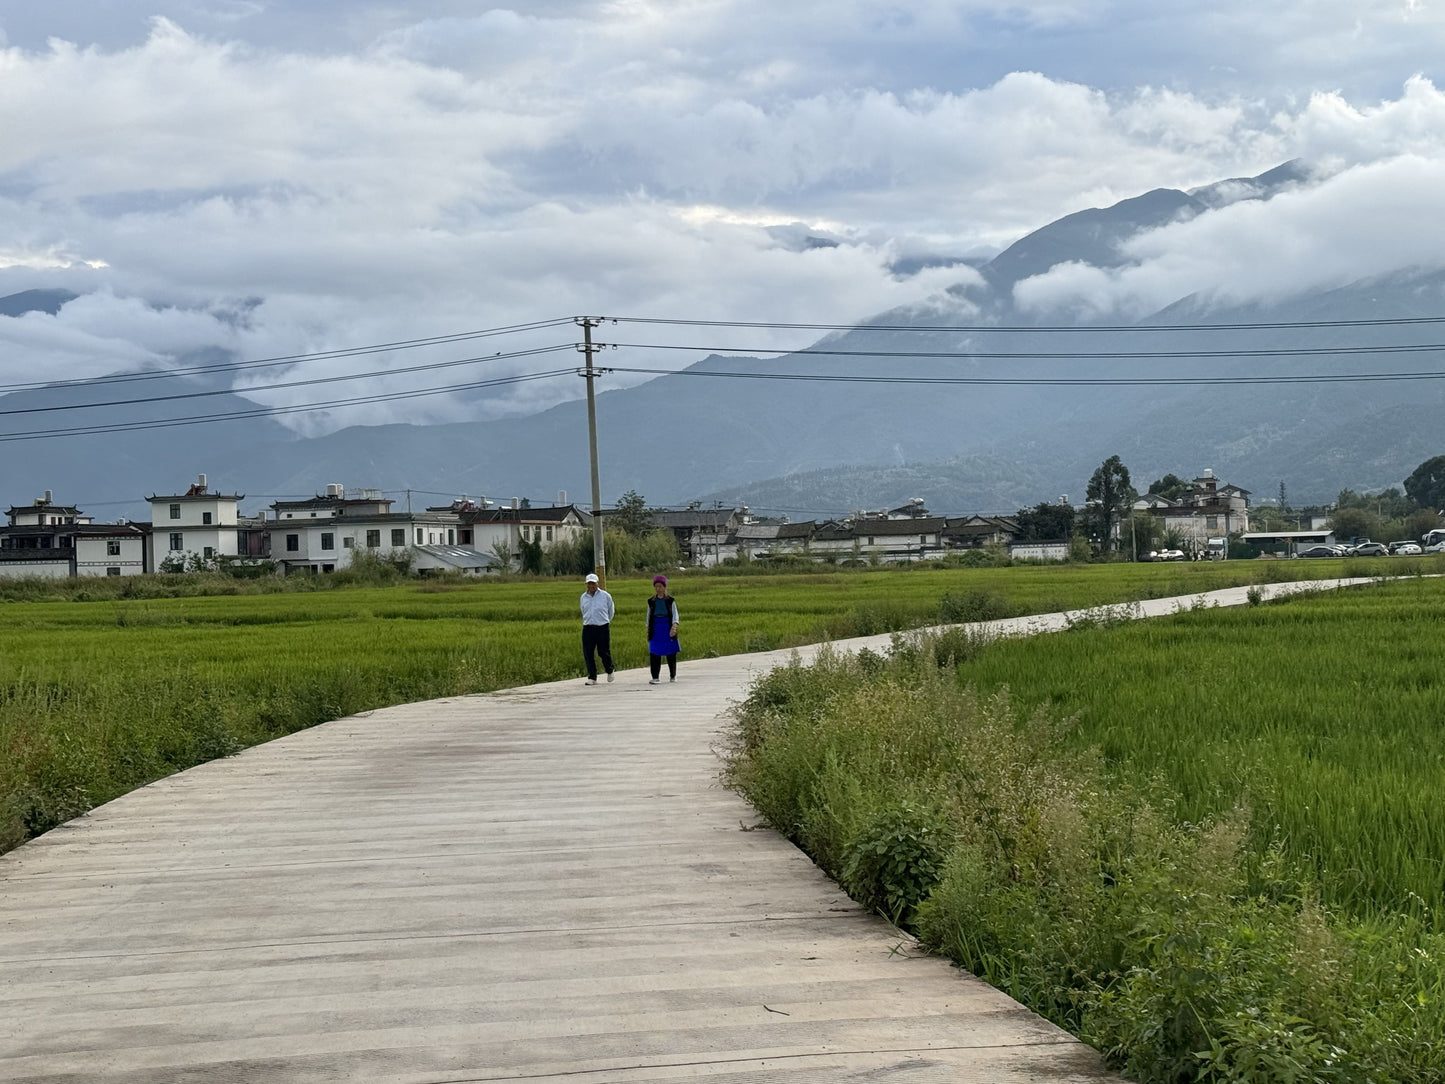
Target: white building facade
<point x="194" y="525"/>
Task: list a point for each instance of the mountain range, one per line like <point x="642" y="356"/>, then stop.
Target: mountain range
<point x="785" y="434"/>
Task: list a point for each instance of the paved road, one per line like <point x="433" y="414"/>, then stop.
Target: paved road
<point x="544" y="884"/>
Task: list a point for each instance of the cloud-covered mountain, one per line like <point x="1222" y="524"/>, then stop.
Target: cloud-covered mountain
<point x="784" y="433"/>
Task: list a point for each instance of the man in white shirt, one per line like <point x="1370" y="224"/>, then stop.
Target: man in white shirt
<point x="597" y="611"/>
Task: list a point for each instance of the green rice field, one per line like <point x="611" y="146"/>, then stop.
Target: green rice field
<point x="98" y="697"/>
<point x="1324" y="715"/>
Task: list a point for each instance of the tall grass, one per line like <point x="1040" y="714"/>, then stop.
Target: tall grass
<point x="1043" y="837"/>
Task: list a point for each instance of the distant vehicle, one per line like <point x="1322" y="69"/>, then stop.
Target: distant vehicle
<point x="1406" y="549"/>
<point x="1321" y="551"/>
<point x="1433" y="542"/>
<point x="1166" y="555"/>
<point x="1371" y="549"/>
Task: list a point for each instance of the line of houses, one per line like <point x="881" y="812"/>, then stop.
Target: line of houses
<point x="200" y="527"/>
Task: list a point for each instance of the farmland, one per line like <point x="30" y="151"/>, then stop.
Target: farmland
<point x="98" y="697"/>
<point x="1209" y="844"/>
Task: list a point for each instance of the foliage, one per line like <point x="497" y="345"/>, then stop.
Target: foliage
<point x="632" y="515"/>
<point x="1169" y="487"/>
<point x="1426" y="484"/>
<point x="1046" y="522"/>
<point x="1109" y="493"/>
<point x="1076" y="884"/>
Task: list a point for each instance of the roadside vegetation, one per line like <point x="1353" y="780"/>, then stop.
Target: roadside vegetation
<point x="108" y="684"/>
<point x="1211" y="845"/>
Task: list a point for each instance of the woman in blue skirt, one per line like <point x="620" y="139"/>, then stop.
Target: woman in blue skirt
<point x="661" y="631"/>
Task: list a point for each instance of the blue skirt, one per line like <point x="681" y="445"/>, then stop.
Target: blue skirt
<point x="661" y="643"/>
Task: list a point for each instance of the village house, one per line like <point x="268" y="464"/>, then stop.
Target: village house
<point x="887" y="540"/>
<point x="702" y="533"/>
<point x="766" y="539"/>
<point x="320" y="534"/>
<point x="196" y="524"/>
<point x="974" y="532"/>
<point x="1205" y="510"/>
<point x="53" y="541"/>
<point x="485" y="529"/>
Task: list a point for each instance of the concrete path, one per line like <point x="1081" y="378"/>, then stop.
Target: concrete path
<point x="544" y="884"/>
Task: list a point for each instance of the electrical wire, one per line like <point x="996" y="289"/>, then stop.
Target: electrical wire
<point x="290" y="384"/>
<point x="1033" y="355"/>
<point x="294" y="359"/>
<point x="166" y="423"/>
<point x="833" y="378"/>
<point x="1403" y="321"/>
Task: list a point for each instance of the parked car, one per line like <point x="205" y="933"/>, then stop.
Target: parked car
<point x="1371" y="549"/>
<point x="1166" y="555"/>
<point x="1320" y="551"/>
<point x="1405" y="549"/>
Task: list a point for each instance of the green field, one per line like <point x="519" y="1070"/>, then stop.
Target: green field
<point x="98" y="697"/>
<point x="1210" y="844"/>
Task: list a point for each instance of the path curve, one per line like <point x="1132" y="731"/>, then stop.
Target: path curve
<point x="541" y="884"/>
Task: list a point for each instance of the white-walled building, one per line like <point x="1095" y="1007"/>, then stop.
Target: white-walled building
<point x="196" y="522"/>
<point x="56" y="541"/>
<point x="321" y="533"/>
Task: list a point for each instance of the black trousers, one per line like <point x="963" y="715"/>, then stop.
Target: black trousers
<point x="655" y="661"/>
<point x="598" y="639"/>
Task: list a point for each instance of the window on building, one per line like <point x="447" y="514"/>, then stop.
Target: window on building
<point x="293" y="543"/>
<point x="175" y="511"/>
<point x="398" y="536"/>
<point x="328" y="568"/>
<point x="112" y="571"/>
<point x="549" y="534"/>
<point x="373" y="540"/>
<point x="466" y="537"/>
<point x="205" y="517"/>
<point x="178" y="541"/>
<point x="451" y="537"/>
<point x="112" y="548"/>
<point x="419" y="536"/>
<point x="347" y="542"/>
<point x="1211" y="523"/>
<point x="208" y="552"/>
<point x="328" y="540"/>
<point x="870" y="540"/>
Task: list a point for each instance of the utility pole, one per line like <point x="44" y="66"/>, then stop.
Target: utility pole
<point x="599" y="556"/>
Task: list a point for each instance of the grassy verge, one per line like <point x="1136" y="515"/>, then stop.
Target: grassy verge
<point x="1195" y="842"/>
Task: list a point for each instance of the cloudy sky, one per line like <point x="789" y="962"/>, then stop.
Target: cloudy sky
<point x="272" y="178"/>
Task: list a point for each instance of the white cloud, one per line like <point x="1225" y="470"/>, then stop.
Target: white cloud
<point x="456" y="169"/>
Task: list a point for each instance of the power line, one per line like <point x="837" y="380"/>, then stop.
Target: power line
<point x="1062" y="381"/>
<point x="1403" y="321"/>
<point x="291" y="383"/>
<point x="166" y="423"/>
<point x="293" y="359"/>
<point x="1034" y="355"/>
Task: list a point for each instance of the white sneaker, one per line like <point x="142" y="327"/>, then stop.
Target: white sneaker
<point x="655" y="681"/>
<point x="590" y="681"/>
<point x="610" y="676"/>
<point x="673" y="678"/>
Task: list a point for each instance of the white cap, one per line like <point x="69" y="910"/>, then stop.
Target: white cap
<point x="592" y="578"/>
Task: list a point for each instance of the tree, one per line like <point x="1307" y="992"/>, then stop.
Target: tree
<point x="1046" y="522"/>
<point x="502" y="551"/>
<point x="1354" y="523"/>
<point x="1426" y="486"/>
<point x="632" y="515"/>
<point x="1109" y="495"/>
<point x="529" y="555"/>
<point x="1168" y="487"/>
